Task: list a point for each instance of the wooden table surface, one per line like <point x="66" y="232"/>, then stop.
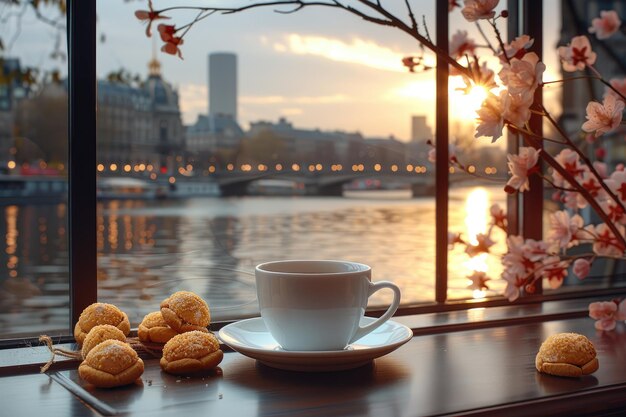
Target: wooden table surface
<point x="475" y="372"/>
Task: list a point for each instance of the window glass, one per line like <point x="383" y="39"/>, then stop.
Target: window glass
<point x="478" y="170"/>
<point x="567" y="101"/>
<point x="34" y="296"/>
<point x="276" y="137"/>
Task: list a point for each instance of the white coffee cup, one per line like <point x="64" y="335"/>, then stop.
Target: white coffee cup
<point x="317" y="305"/>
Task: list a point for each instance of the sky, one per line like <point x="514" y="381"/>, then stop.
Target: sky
<point x="319" y="67"/>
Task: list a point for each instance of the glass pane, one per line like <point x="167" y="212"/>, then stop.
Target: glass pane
<point x="277" y="137"/>
<point x="34" y="296"/>
<point x="567" y="101"/>
<point x="478" y="169"/>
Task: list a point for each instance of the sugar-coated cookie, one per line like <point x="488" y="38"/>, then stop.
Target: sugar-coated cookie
<point x="153" y="328"/>
<point x="185" y="311"/>
<point x="111" y="364"/>
<point x="99" y="334"/>
<point x="191" y="353"/>
<point x="100" y="313"/>
<point x="567" y="354"/>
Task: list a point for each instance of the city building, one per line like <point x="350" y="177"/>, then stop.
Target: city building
<point x="140" y="125"/>
<point x="223" y="84"/>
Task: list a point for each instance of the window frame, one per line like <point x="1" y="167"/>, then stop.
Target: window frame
<point x="81" y="23"/>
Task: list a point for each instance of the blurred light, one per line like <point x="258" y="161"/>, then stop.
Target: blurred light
<point x="142" y="167"/>
<point x="451" y="170"/>
<point x="230" y="167"/>
<point x="181" y="170"/>
<point x="377" y="167"/>
<point x="149" y="167"/>
<point x="136" y="168"/>
<point x="295" y="167"/>
<point x="163" y="169"/>
<point x="311" y="168"/>
<point x="153" y="176"/>
<point x="127" y="168"/>
<point x="279" y="167"/>
<point x="409" y="167"/>
<point x="113" y="167"/>
<point x="471" y="169"/>
<point x="394" y="168"/>
<point x="43" y="165"/>
<point x="319" y="167"/>
<point x="361" y="167"/>
<point x="172" y="180"/>
<point x="100" y="167"/>
<point x="189" y="167"/>
<point x="339" y="167"/>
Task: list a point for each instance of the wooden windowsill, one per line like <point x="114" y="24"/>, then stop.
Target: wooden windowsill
<point x="480" y="371"/>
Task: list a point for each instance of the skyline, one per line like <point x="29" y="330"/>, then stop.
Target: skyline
<point x="333" y="74"/>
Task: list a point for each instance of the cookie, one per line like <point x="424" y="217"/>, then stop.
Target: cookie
<point x="567" y="354"/>
<point x="153" y="328"/>
<point x="99" y="334"/>
<point x="191" y="353"/>
<point x="185" y="311"/>
<point x="111" y="364"/>
<point x="100" y="313"/>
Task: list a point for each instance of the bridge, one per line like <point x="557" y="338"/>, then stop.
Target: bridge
<point x="327" y="183"/>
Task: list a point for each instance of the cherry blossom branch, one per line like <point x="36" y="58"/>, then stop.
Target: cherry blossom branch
<point x="584" y="157"/>
<point x="484" y="36"/>
<point x="588" y="77"/>
<point x="582" y="190"/>
<point x="381" y="17"/>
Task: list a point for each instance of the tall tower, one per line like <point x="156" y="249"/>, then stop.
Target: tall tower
<point x="223" y="85"/>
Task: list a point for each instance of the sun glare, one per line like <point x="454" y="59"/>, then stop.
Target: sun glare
<point x="464" y="105"/>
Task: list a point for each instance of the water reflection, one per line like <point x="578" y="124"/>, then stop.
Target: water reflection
<point x="148" y="249"/>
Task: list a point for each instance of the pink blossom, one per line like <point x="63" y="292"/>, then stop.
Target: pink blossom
<point x="522" y="263"/>
<point x="619" y="85"/>
<point x="517" y="108"/>
<point x="522" y="76"/>
<point x="460" y="44"/>
<point x="606" y="313"/>
<point x="520" y="166"/>
<point x="577" y="54"/>
<point x="605" y="243"/>
<point x="581" y="268"/>
<point x="605" y="117"/>
<point x="606" y="25"/>
<point x="570" y="161"/>
<point x="490" y="117"/>
<point x="601" y="168"/>
<point x="498" y="215"/>
<point x="617" y="183"/>
<point x="563" y="228"/>
<point x="149" y="16"/>
<point x="482" y="246"/>
<point x="554" y="271"/>
<point x="517" y="48"/>
<point x="479" y="9"/>
<point x="478" y="281"/>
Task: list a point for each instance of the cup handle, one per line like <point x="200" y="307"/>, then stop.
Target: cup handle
<point x="375" y="286"/>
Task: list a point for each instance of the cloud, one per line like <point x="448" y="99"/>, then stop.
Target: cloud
<point x="359" y="51"/>
<point x="193" y="101"/>
<point x="291" y="111"/>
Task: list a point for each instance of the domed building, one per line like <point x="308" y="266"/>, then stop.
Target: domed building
<point x="140" y="125"/>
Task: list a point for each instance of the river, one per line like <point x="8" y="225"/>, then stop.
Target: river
<point x="149" y="249"/>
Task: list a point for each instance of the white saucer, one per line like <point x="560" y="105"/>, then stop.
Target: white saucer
<point x="251" y="338"/>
